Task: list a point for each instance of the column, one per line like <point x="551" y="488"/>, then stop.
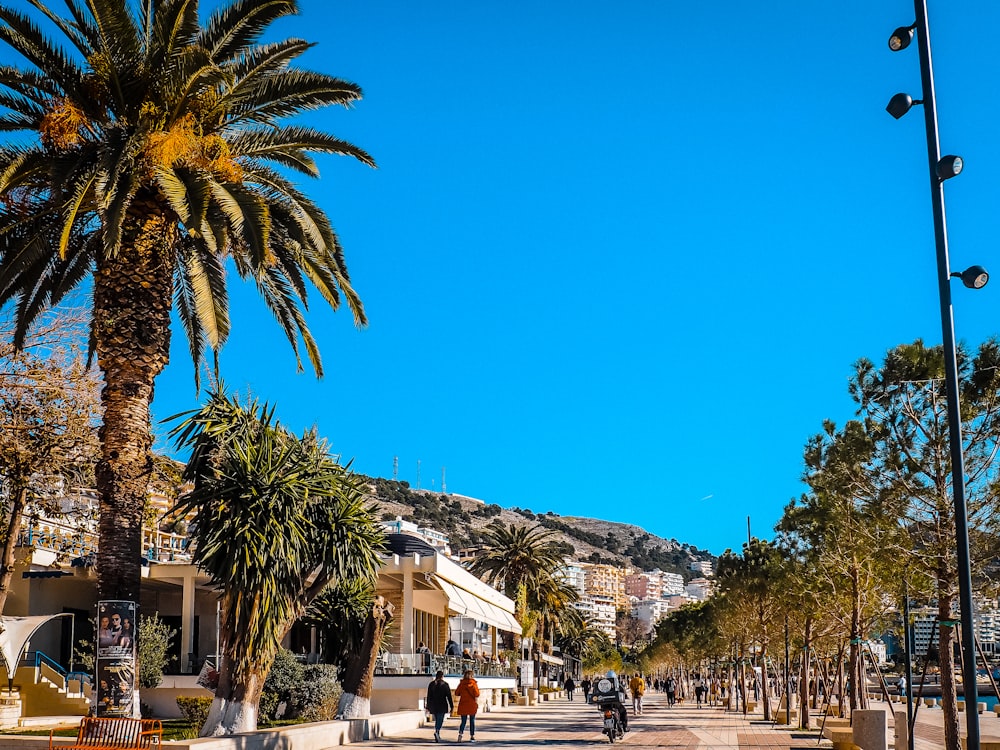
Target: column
<point x="187" y="621"/>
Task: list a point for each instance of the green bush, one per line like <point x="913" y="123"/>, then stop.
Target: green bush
<point x="154" y="650"/>
<point x="317" y="696"/>
<point x="195" y="709"/>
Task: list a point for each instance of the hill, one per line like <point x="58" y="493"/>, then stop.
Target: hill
<point x="584" y="539"/>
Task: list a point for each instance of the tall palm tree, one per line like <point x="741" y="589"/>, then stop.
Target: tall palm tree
<point x="277" y="520"/>
<point x="515" y="556"/>
<point x="151" y="170"/>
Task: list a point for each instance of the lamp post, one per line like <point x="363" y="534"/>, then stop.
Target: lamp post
<point x="976" y="277"/>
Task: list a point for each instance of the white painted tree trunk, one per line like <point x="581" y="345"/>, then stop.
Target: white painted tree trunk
<point x="353" y="706"/>
<point x="230" y="717"/>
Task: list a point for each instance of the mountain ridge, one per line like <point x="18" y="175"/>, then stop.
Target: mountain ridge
<point x="584" y="539"/>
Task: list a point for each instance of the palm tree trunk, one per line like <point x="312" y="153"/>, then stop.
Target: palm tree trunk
<point x="132" y="299"/>
<point x="355" y="702"/>
<point x="20" y="499"/>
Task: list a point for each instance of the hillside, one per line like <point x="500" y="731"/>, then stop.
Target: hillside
<point x="585" y="539"/>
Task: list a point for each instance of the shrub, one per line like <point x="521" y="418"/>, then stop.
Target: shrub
<point x="154" y="650"/>
<point x="195" y="709"/>
<point x="317" y="696"/>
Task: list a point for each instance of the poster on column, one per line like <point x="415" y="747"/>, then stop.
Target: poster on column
<point x="116" y="650"/>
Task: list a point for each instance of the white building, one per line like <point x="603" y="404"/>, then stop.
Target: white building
<point x="702" y="566"/>
<point x="574" y="575"/>
<point x="699" y="588"/>
<point x="599" y="612"/>
<point x="651" y="611"/>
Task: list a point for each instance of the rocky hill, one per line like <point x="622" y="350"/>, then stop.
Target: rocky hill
<point x="585" y="539"/>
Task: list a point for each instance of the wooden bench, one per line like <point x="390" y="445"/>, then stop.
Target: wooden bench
<point x="113" y="734"/>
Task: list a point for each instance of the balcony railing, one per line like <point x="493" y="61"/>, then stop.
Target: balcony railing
<point x="429" y="664"/>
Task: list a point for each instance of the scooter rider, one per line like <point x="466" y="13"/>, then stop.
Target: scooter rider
<point x="609" y="690"/>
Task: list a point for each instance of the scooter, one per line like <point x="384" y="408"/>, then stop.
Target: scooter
<point x="612" y="721"/>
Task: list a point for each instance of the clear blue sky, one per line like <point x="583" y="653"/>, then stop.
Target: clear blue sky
<point x="619" y="258"/>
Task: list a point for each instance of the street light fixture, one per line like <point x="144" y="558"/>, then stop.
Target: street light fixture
<point x="975" y="277"/>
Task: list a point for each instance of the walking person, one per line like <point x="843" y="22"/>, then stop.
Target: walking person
<point x="585" y="687"/>
<point x="570" y="687"/>
<point x="468" y="704"/>
<point x="439" y="702"/>
<point x="637" y="686"/>
<point x="670" y="685"/>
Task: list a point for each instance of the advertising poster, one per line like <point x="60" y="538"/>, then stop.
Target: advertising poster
<point x="116" y="657"/>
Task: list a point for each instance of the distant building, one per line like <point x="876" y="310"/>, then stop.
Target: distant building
<point x="606" y="581"/>
<point x="599" y="612"/>
<point x="702" y="566"/>
<point x="651" y="611"/>
<point x="433" y="537"/>
<point x="653" y="584"/>
<point x="573" y="574"/>
<point x="699" y="588"/>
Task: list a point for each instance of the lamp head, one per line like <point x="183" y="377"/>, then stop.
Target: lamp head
<point x="973" y="277"/>
<point x="949" y="166"/>
<point x="899" y="105"/>
<point x="901" y="38"/>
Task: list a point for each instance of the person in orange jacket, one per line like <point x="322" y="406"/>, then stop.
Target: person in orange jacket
<point x="467" y="693"/>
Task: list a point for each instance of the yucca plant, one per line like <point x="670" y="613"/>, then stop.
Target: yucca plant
<point x="276" y="520"/>
<point x="149" y="155"/>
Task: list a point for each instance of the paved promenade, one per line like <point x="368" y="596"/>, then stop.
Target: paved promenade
<point x="575" y="724"/>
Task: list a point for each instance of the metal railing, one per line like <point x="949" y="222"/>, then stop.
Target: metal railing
<point x="429" y="664"/>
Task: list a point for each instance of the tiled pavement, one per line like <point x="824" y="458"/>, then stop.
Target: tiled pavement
<point x="575" y="724"/>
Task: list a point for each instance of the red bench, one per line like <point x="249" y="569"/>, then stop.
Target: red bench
<point x="114" y="734"/>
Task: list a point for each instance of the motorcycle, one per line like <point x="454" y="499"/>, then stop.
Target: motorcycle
<point x="612" y="722"/>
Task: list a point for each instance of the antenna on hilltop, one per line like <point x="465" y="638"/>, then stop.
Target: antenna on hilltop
<point x="418" y="473"/>
<point x="395" y="468"/>
<point x="444" y="485"/>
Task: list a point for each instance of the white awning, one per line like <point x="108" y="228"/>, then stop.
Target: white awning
<point x="15" y="635"/>
<point x="466" y="603"/>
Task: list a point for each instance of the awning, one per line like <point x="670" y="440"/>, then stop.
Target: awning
<point x="463" y="602"/>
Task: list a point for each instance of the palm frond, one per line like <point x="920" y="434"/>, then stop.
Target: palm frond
<point x="233" y="28"/>
<point x="288" y="92"/>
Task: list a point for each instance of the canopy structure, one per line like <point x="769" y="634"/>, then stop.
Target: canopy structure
<point x="464" y="602"/>
<point x="16" y="633"/>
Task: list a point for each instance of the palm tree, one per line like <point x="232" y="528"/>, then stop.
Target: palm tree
<point x="277" y="520"/>
<point x="151" y="171"/>
<point x="516" y="556"/>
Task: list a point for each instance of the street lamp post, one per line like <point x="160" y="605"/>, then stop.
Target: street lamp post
<point x="942" y="169"/>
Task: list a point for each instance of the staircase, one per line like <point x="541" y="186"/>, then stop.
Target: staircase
<point x="44" y="691"/>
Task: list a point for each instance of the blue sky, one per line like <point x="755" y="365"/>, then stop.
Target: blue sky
<point x="619" y="259"/>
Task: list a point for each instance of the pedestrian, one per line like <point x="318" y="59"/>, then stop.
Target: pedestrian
<point x="585" y="687"/>
<point x="902" y="685"/>
<point x="570" y="687"/>
<point x="637" y="687"/>
<point x="468" y="703"/>
<point x="670" y="685"/>
<point x="439" y="702"/>
<point x="699" y="690"/>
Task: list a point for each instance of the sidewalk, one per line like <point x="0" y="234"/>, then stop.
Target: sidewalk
<point x="573" y="724"/>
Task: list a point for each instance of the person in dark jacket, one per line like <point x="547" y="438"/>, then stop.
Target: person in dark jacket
<point x="439" y="702"/>
<point x="570" y="687"/>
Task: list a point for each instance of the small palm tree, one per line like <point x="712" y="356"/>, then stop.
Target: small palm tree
<point x="277" y="520"/>
<point x="151" y="171"/>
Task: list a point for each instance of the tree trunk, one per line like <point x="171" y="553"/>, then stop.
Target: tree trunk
<point x="234" y="709"/>
<point x="856" y="672"/>
<point x="132" y="299"/>
<point x="20" y="499"/>
<point x="804" y="718"/>
<point x="765" y="687"/>
<point x="355" y="702"/>
<point x="946" y="661"/>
